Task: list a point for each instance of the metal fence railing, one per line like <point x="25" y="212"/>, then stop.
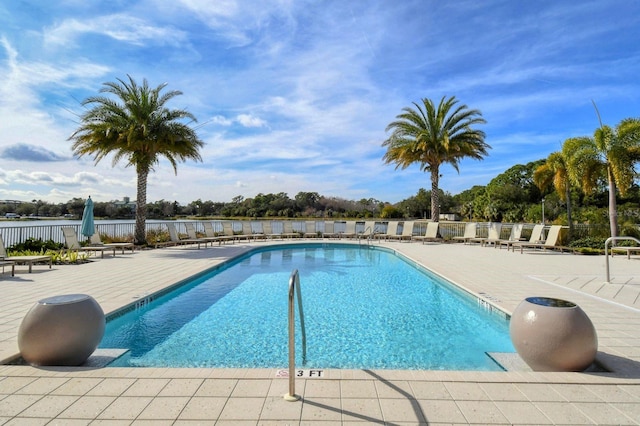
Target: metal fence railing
<point x="17" y="233"/>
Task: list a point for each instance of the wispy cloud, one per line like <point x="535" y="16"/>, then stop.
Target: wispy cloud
<point x="120" y="27"/>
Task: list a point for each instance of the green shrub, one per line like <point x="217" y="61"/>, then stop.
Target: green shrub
<point x="36" y="245"/>
<point x="589" y="242"/>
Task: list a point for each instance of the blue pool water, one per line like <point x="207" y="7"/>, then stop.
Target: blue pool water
<point x="363" y="307"/>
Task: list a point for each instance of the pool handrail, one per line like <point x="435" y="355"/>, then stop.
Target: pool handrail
<point x="606" y="252"/>
<point x="294" y="282"/>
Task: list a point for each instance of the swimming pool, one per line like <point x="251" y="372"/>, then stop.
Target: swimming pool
<point x="365" y="307"/>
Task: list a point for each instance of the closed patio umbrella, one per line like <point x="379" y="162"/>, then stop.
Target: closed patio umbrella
<point x="87" y="228"/>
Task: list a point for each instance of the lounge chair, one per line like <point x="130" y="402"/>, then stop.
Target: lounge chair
<point x="4" y="263"/>
<point x="72" y="243"/>
<point x="391" y="232"/>
<point x="551" y="242"/>
<point x="175" y="240"/>
<point x="330" y="230"/>
<point x="211" y="236"/>
<point x="407" y="231"/>
<point x="22" y="260"/>
<point x="257" y="230"/>
<point x="430" y="234"/>
<point x="227" y="230"/>
<point x="310" y="230"/>
<point x="493" y="235"/>
<point x="95" y="241"/>
<point x="536" y="237"/>
<point x="267" y="229"/>
<point x="625" y="249"/>
<point x="193" y="235"/>
<point x="469" y="233"/>
<point x="246" y="233"/>
<point x="288" y="230"/>
<point x="514" y="236"/>
<point x="349" y="229"/>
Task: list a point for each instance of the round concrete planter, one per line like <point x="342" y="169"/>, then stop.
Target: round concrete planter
<point x="553" y="335"/>
<point x="61" y="330"/>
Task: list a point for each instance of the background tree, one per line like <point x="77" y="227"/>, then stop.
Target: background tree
<point x="610" y="155"/>
<point x="554" y="174"/>
<point x="136" y="126"/>
<point x="432" y="136"/>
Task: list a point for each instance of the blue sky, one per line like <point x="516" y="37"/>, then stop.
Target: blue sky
<point x="295" y="96"/>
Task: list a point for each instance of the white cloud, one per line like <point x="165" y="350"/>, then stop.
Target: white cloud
<point x="248" y="120"/>
<point x="121" y="27"/>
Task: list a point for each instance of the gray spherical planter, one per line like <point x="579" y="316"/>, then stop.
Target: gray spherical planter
<point x="553" y="335"/>
<point x="61" y="330"/>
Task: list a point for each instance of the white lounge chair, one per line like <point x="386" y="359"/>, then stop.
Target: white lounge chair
<point x="469" y="232"/>
<point x="257" y="230"/>
<point x="551" y="242"/>
<point x="430" y="234"/>
<point x="22" y="260"/>
<point x="535" y="238"/>
<point x="193" y="235"/>
<point x="493" y="235"/>
<point x="175" y="240"/>
<point x="407" y="231"/>
<point x="349" y="230"/>
<point x="95" y="241"/>
<point x="391" y="232"/>
<point x="310" y="230"/>
<point x="72" y="243"/>
<point x="288" y="231"/>
<point x="514" y="236"/>
<point x="330" y="230"/>
<point x="267" y="229"/>
<point x="247" y="233"/>
<point x="211" y="236"/>
<point x="227" y="230"/>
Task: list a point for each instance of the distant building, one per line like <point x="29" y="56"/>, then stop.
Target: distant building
<point x="450" y="216"/>
<point x="125" y="203"/>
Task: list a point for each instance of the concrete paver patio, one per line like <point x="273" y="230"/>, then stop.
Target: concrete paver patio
<point x="123" y="396"/>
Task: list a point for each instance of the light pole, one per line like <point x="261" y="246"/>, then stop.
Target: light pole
<point x="543" y="211"/>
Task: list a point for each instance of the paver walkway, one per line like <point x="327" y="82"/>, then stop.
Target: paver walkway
<point x="122" y="396"/>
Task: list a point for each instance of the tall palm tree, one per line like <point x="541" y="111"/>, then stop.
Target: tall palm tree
<point x="553" y="173"/>
<point x="433" y="136"/>
<point x="137" y="127"/>
<point x="610" y="154"/>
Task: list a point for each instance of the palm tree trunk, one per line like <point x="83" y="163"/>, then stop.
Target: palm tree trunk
<point x="435" y="195"/>
<point x="140" y="237"/>
<point x="613" y="209"/>
<point x="568" y="195"/>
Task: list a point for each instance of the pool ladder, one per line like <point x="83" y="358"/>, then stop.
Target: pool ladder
<point x="294" y="284"/>
<point x="368" y="236"/>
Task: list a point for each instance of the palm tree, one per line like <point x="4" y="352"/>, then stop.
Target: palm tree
<point x="138" y="127"/>
<point x="610" y="155"/>
<point x="434" y="136"/>
<point x="554" y="173"/>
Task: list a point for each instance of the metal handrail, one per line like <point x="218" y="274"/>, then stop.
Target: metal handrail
<point x="606" y="252"/>
<point x="365" y="235"/>
<point x="294" y="282"/>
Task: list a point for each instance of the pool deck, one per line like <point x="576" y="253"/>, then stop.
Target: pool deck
<point x="159" y="396"/>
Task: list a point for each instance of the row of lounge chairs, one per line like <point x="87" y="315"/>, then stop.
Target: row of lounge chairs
<point x="264" y="230"/>
<point x="537" y="239"/>
<point x="71" y="244"/>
